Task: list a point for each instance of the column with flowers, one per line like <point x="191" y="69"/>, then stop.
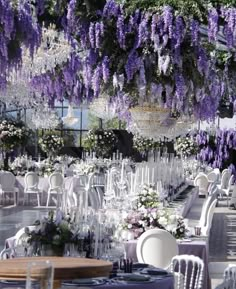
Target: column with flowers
<point x="51" y="144"/>
<point x="12" y="135"/>
<point x="100" y="141"/>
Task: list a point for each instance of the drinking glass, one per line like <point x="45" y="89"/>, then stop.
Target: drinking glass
<point x="42" y="272"/>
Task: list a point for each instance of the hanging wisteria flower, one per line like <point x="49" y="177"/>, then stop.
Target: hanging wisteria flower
<point x="105" y="69"/>
<point x="18" y="28"/>
<point x="194" y="32"/>
<point x="149" y="46"/>
<point x="217" y="149"/>
<point x="213" y="24"/>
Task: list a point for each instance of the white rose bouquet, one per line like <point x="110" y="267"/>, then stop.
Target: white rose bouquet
<point x="51" y="143"/>
<point x="185" y="146"/>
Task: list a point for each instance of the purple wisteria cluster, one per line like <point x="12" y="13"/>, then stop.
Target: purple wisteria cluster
<point x="217" y="149"/>
<point x="157" y="57"/>
<point x="18" y="28"/>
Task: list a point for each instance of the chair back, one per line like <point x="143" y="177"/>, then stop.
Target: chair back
<point x="6" y="253"/>
<point x="230" y="182"/>
<point x="210" y="213"/>
<point x="205" y="209"/>
<point x="31" y="180"/>
<point x="156" y="247"/>
<point x="212" y="177"/>
<point x="201" y="181"/>
<point x="191" y="267"/>
<point x="225" y="179"/>
<point x="233" y="197"/>
<point x="93" y="197"/>
<point x="226" y="284"/>
<point x="230" y="274"/>
<point x="56" y="181"/>
<point x="21" y="235"/>
<point x="225" y="170"/>
<point x="7" y="181"/>
<point x="212" y="189"/>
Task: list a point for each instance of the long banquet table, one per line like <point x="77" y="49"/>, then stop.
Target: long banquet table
<point x="195" y="247"/>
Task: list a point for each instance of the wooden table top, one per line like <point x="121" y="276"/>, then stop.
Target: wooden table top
<point x="65" y="268"/>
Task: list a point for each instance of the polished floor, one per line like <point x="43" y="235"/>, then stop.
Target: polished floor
<point x="14" y="218"/>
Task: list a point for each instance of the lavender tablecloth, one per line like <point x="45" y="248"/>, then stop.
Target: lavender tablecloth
<point x="165" y="283"/>
<point x="198" y="248"/>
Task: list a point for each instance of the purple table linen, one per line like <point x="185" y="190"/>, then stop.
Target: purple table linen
<point x="198" y="248"/>
<point x="165" y="283"/>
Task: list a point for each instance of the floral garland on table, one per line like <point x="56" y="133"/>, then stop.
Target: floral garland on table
<point x="217" y="149"/>
<point x="148" y="214"/>
<point x="100" y="141"/>
<point x="51" y="143"/>
<point x="12" y="134"/>
<point x="185" y="146"/>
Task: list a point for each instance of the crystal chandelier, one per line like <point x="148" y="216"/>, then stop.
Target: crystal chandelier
<point x="101" y="108"/>
<point x="45" y="118"/>
<point x="54" y="50"/>
<point x="153" y="121"/>
<point x="70" y="119"/>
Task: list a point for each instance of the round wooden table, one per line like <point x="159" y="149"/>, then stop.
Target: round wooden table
<point x="65" y="268"/>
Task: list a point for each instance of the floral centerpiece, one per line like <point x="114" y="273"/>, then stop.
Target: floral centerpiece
<point x="147" y="198"/>
<point x="84" y="168"/>
<point x="53" y="232"/>
<point x="46" y="167"/>
<point x="185" y="146"/>
<point x="22" y="164"/>
<point x="100" y="141"/>
<point x="51" y="143"/>
<point x="149" y="214"/>
<point x="143" y="144"/>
